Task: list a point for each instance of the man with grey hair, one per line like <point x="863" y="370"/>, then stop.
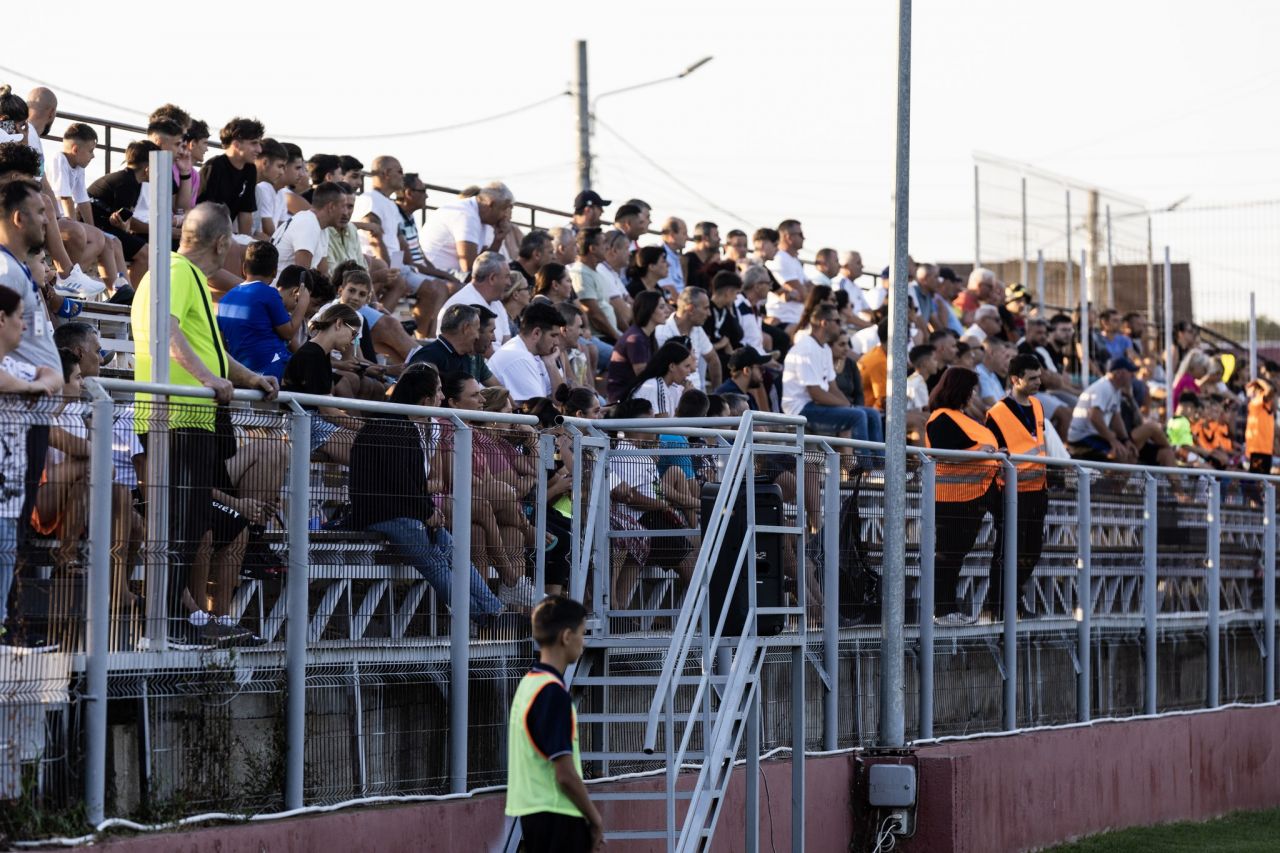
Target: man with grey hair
<point x="454" y="351"/>
<point x="693" y="307"/>
<point x="461" y="229"/>
<point x="981" y="291"/>
<point x="986" y="324"/>
<point x="756" y="282"/>
<point x="564" y="244"/>
<point x="197" y="358"/>
<point x="490" y="277"/>
<point x="846" y="279"/>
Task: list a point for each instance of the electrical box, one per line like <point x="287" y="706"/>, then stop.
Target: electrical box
<point x="891" y="786"/>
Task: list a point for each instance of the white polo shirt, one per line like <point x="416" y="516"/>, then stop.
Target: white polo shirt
<point x="702" y="347"/>
<point x="456" y="221"/>
<point x="388" y="216"/>
<point x="468" y="295"/>
<point x="521" y="372"/>
<point x="807" y="363"/>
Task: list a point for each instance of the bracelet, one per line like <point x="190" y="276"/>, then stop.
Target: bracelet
<point x="182" y="177"/>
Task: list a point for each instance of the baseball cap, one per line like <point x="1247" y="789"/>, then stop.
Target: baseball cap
<point x="1017" y="292"/>
<point x="1121" y="363"/>
<point x="589" y="198"/>
<point x="748" y="356"/>
<point x="948" y="274"/>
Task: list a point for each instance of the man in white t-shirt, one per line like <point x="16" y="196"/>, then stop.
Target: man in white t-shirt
<point x="64" y="170"/>
<point x="302" y="239"/>
<point x="986" y="323"/>
<point x="693" y="307"/>
<point x="525" y="364"/>
<point x="809" y="383"/>
<point x="454" y="234"/>
<point x="1097" y="431"/>
<point x="786" y="307"/>
<point x="846" y="279"/>
<point x="489" y="280"/>
<point x="270" y="164"/>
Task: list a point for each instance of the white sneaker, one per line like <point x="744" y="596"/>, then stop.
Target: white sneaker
<point x="77" y="285"/>
<point x="520" y="594"/>
<point x="954" y="620"/>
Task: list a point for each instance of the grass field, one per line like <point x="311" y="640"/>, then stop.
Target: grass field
<point x="1242" y="832"/>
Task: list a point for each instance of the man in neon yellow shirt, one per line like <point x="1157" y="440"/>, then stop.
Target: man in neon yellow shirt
<point x="197" y="358"/>
<point x="544" y="769"/>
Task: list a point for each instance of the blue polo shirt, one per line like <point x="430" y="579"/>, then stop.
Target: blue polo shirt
<point x="248" y="315"/>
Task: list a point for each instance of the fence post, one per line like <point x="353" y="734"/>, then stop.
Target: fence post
<point x="1086" y="328"/>
<point x="1170" y="358"/>
<point x="1213" y="590"/>
<point x="297" y="585"/>
<point x="928" y="525"/>
<point x="1149" y="581"/>
<point x="1040" y="281"/>
<point x="977" y="222"/>
<point x="1010" y="591"/>
<point x="1022" y="257"/>
<point x="98" y="611"/>
<point x="460" y="609"/>
<point x="1070" y="272"/>
<point x="160" y="201"/>
<point x="1269" y="589"/>
<point x="1111" y="289"/>
<point x="1253" y="335"/>
<point x="1084" y="594"/>
<point x="831" y="601"/>
<point x="546" y="454"/>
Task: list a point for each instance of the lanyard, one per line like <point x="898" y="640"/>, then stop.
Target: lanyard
<point x="25" y="269"/>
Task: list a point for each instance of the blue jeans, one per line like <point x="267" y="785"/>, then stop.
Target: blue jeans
<point x="861" y="422"/>
<point x="604" y="352"/>
<point x="8" y="557"/>
<point x="413" y="543"/>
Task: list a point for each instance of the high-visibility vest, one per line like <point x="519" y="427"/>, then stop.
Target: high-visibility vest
<point x="531" y="777"/>
<point x="959" y="481"/>
<point x="1260" y="428"/>
<point x="1031" y="476"/>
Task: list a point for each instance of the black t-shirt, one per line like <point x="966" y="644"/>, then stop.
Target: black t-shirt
<point x="945" y="434"/>
<point x="310" y="371"/>
<point x="115" y="190"/>
<point x="516" y="266"/>
<point x="723" y="323"/>
<point x="222" y="182"/>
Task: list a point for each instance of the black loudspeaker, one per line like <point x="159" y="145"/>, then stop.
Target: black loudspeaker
<point x="768" y="557"/>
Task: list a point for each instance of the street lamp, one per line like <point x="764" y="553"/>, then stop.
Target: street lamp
<point x="587" y="109"/>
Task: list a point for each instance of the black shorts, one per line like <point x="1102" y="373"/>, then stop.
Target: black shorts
<point x="548" y="832"/>
<point x="226" y="524"/>
<point x="130" y="243"/>
<point x="1149" y="454"/>
<point x="1259" y="463"/>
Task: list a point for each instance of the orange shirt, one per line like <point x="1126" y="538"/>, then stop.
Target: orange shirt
<point x="1260" y="429"/>
<point x="874" y="367"/>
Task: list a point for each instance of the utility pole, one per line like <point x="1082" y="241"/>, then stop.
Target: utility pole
<point x="584" y="119"/>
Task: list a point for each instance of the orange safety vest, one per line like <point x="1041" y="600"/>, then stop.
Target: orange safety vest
<point x="1031" y="477"/>
<point x="962" y="481"/>
<point x="1260" y="428"/>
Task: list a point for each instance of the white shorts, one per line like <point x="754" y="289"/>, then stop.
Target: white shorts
<point x="412" y="278"/>
<point x="242" y="239"/>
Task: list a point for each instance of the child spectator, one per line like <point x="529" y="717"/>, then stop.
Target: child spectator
<point x="270" y="166"/>
<point x="310" y="371"/>
<point x="232" y="178"/>
<point x="259" y="321"/>
<point x="664" y="378"/>
<point x="1260" y="428"/>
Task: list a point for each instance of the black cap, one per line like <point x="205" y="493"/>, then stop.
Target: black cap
<point x="748" y="356"/>
<point x="948" y="274"/>
<point x="1121" y="363"/>
<point x="589" y="198"/>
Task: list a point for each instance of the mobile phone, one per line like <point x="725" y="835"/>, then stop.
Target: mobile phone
<point x="125" y="214"/>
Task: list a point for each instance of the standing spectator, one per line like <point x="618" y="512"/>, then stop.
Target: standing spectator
<point x="259" y="320"/>
<point x="964" y="491"/>
<point x="664" y="379"/>
<point x="675" y="234"/>
<point x="692" y="310"/>
<point x="786" y="309"/>
<point x="490" y="277"/>
<point x="524" y="364"/>
<point x="454" y="236"/>
<point x="1260" y="426"/>
<point x="637" y="344"/>
<point x="198" y="358"/>
<point x="592" y="288"/>
<point x="1017" y="422"/>
<point x="809" y="383"/>
<point x="588" y="208"/>
<point x="302" y="240"/>
<point x="270" y="165"/>
<point x="231" y="178"/>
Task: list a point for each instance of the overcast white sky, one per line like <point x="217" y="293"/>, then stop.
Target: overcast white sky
<point x="793" y="117"/>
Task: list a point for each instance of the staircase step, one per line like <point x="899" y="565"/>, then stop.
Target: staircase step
<point x="600" y="796"/>
<point x="636" y="834"/>
<point x="641" y="680"/>
<point x="627" y="717"/>
<point x="636" y="756"/>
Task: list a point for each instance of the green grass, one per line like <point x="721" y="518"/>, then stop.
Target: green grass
<point x="1241" y="832"/>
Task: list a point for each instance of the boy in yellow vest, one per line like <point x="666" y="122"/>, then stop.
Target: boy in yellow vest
<point x="544" y="768"/>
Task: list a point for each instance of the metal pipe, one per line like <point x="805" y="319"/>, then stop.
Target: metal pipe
<point x="831" y="601"/>
<point x="1084" y="594"/>
<point x="460" y="609"/>
<point x="1151" y="283"/>
<point x="798" y="784"/>
<point x="160" y="201"/>
<point x="1022" y="270"/>
<point x="98" y="611"/>
<point x="1214" y="590"/>
<point x="1149" y="604"/>
<point x="1253" y="335"/>
<point x="1086" y="328"/>
<point x="1040" y="281"/>
<point x="296" y="588"/>
<point x="977" y="210"/>
<point x="546" y="449"/>
<point x="1269" y="590"/>
<point x="1070" y="272"/>
<point x="1111" y="289"/>
<point x="928" y="527"/>
<point x="1010" y="590"/>
<point x="584" y="116"/>
<point x="893" y="590"/>
<point x="752" y="811"/>
<point x="1170" y="357"/>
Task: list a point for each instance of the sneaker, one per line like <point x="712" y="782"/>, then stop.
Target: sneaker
<point x="954" y="620"/>
<point x="78" y="285"/>
<point x="520" y="594"/>
<point x="185" y="636"/>
<point x="224" y="632"/>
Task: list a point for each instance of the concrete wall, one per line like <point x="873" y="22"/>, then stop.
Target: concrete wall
<point x="986" y="795"/>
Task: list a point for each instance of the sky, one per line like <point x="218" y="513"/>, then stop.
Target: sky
<point x="793" y="117"/>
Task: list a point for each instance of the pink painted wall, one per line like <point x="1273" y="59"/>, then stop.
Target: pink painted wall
<point x="980" y="796"/>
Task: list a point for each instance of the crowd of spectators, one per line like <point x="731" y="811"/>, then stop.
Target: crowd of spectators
<point x="314" y="275"/>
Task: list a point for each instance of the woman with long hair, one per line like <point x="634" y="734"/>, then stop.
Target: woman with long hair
<point x="634" y="349"/>
<point x="553" y="282"/>
<point x="819" y="294"/>
<point x="648" y="267"/>
<point x="664" y="378"/>
<point x="964" y="490"/>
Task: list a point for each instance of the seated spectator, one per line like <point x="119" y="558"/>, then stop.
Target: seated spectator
<point x="703" y="260"/>
<point x="536" y="249"/>
<point x="755" y="287"/>
<point x="310" y="371"/>
<point x="1098" y="432"/>
<point x="112" y="199"/>
<point x="664" y="378"/>
<point x="592" y="288"/>
<point x="846" y="279"/>
<point x="874" y="367"/>
<point x="65" y="173"/>
<point x="553" y="283"/>
<point x="683" y="492"/>
<point x="514" y="300"/>
<point x="259" y="321"/>
<point x="736" y="249"/>
<point x="745" y="377"/>
<point x="302" y="240"/>
<point x="848" y="376"/>
<point x="322" y="169"/>
<point x="269" y="165"/>
<point x="636" y="346"/>
<point x="564" y="242"/>
<point x="379" y="218"/>
<point x="675" y="235"/>
<point x="826" y="268"/>
<point x="924" y="365"/>
<point x="289" y="199"/>
<point x="981" y="290"/>
<point x="819" y="294"/>
<point x="525" y="364"/>
<point x="809" y="383"/>
<point x="648" y="267"/>
<point x="578" y="403"/>
<point x="722" y="327"/>
<point x="454" y="351"/>
<point x="351" y="172"/>
<point x="489" y="280"/>
<point x="633" y="219"/>
<point x="189" y="159"/>
<point x="986" y="323"/>
<point x="1183" y="439"/>
<point x="385" y="335"/>
<point x="390" y="494"/>
<point x="968" y="357"/>
<point x="576" y="364"/>
<point x="1212" y="432"/>
<point x="231" y="178"/>
<point x="994" y="370"/>
<point x="946" y="344"/>
<point x="693" y="307"/>
<point x="62" y="502"/>
<point x="454" y="237"/>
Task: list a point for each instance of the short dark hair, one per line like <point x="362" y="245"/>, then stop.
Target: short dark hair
<point x="626" y="212"/>
<point x="79" y="132"/>
<point x="540" y="315"/>
<point x="12" y="106"/>
<point x="1060" y="318"/>
<point x="136" y="154"/>
<point x="10" y="299"/>
<point x="787" y="224"/>
<point x="292" y="150"/>
<point x="693" y="404"/>
<point x="322" y="164"/>
<point x="918" y="352"/>
<point x="72" y="335"/>
<point x="261" y="260"/>
<point x="346" y="162"/>
<point x="1021" y="363"/>
<point x="702" y="229"/>
<point x="322" y="289"/>
<point x="554" y="615"/>
<point x="570" y="312"/>
<point x="198" y="129"/>
<point x="240" y="129"/>
<point x="165" y="127"/>
<point x="272" y="150"/>
<point x="587" y="238"/>
<point x="768" y="234"/>
<point x="20" y="157"/>
<point x="458" y="315"/>
<point x="726" y="280"/>
<point x="70" y="361"/>
<point x="736" y="232"/>
<point x="938" y="334"/>
<point x="327" y="193"/>
<point x="296" y="275"/>
<point x="14" y="193"/>
<point x="1189" y="398"/>
<point x="531" y="243"/>
<point x="173" y="112"/>
<point x="632" y="407"/>
<point x="882" y="329"/>
<point x="418" y="382"/>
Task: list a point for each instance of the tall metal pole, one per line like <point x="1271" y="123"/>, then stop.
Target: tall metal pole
<point x="1213" y="590"/>
<point x="1011" y="593"/>
<point x="1070" y="272"/>
<point x="1151" y="682"/>
<point x="1253" y="335"/>
<point x="1170" y="357"/>
<point x="1086" y="327"/>
<point x="977" y="211"/>
<point x="584" y="119"/>
<point x="1022" y="271"/>
<point x="1111" y="288"/>
<point x="1269" y="590"/>
<point x="296" y="623"/>
<point x="98" y="611"/>
<point x="460" y="609"/>
<point x="160" y="201"/>
<point x="928" y="595"/>
<point x="1151" y="283"/>
<point x="893" y="600"/>
<point x="1040" y="280"/>
<point x="831" y="603"/>
<point x="1084" y="593"/>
